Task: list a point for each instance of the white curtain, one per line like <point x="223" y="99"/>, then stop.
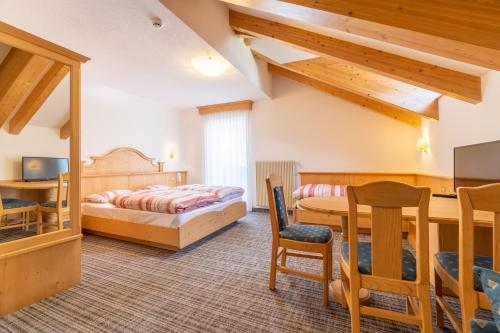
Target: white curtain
<point x="226" y="149"/>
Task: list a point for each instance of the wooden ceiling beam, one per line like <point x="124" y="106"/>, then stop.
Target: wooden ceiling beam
<point x="37" y="97"/>
<point x="394" y="112"/>
<point x="474" y="22"/>
<point x="448" y="48"/>
<point x="19" y="72"/>
<point x="65" y="131"/>
<point x="224" y="107"/>
<point x="445" y="81"/>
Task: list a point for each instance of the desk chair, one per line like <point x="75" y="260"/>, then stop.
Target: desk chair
<point x="461" y="272"/>
<point x="16" y="206"/>
<point x="298" y="237"/>
<point x="61" y="205"/>
<point x="383" y="264"/>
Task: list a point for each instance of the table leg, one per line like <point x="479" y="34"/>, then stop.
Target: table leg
<point x="336" y="286"/>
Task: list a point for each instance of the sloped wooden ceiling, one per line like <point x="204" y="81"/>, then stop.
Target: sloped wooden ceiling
<point x="315" y="13"/>
<point x="439" y="79"/>
<point x="396" y="86"/>
<point x="26" y="81"/>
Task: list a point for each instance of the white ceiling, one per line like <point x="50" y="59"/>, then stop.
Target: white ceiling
<point x="127" y="52"/>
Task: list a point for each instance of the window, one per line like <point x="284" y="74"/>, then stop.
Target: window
<point x="226" y="149"/>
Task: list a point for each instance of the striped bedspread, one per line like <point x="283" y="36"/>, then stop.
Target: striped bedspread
<point x="170" y="201"/>
<point x="319" y="190"/>
<point x="224" y="193"/>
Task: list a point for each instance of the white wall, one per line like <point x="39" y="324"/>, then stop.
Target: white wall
<point x="112" y="119"/>
<point x="322" y="132"/>
<point x="461" y="124"/>
<point x="32" y="141"/>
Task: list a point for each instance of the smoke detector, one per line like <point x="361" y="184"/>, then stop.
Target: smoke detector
<point x="157" y="23"/>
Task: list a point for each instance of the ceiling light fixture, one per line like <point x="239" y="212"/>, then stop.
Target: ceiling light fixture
<point x="210" y="65"/>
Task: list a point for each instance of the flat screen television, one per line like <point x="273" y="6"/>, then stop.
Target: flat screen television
<point x="477" y="164"/>
<point x="43" y="168"/>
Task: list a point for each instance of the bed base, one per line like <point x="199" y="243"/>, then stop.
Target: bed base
<point x="175" y="238"/>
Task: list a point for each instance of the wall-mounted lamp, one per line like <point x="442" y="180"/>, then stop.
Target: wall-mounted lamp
<point x="423" y="144"/>
<point x="171" y="153"/>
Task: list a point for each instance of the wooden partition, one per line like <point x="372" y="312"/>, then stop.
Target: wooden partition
<point x="37" y="267"/>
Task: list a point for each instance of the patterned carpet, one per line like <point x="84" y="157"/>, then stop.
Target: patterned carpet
<point x="217" y="285"/>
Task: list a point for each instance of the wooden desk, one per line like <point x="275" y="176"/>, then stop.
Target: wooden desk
<point x="443" y="233"/>
<point x="21" y="185"/>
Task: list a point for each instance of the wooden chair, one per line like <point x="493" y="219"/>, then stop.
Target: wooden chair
<point x="298" y="237"/>
<point x="460" y="272"/>
<point x="383" y="264"/>
<point x="22" y="207"/>
<point x="61" y="205"/>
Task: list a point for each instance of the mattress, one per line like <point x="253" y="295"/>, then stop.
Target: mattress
<point x="108" y="211"/>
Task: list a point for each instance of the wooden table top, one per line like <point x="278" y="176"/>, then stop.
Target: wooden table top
<point x="20" y="185"/>
<point x="441" y="210"/>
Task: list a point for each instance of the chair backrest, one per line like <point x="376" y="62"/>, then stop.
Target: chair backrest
<point x="483" y="198"/>
<point x="277" y="206"/>
<point x="63" y="190"/>
<point x="387" y="200"/>
<point x="1" y="205"/>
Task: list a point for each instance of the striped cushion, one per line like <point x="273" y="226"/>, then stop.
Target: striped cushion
<point x="319" y="190"/>
<point x="104" y="197"/>
<point x="16" y="203"/>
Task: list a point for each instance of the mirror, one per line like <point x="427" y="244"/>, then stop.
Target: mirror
<point x="34" y="144"/>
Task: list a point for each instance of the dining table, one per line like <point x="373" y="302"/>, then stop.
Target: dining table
<point x="443" y="229"/>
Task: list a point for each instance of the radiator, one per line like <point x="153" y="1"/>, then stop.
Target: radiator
<point x="287" y="170"/>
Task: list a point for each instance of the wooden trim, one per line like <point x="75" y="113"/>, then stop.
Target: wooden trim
<point x="40" y="42"/>
<point x="472" y="22"/>
<point x="65" y="131"/>
<point x="452" y="49"/>
<point x="448" y="82"/>
<point x="37" y="97"/>
<point x="231" y="106"/>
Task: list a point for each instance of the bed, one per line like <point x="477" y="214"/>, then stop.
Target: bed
<point x="130" y="169"/>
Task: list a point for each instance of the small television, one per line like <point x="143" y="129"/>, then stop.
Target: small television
<point x="477" y="165"/>
<point x="43" y="168"/>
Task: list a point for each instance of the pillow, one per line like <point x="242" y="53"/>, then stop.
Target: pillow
<point x="104" y="197"/>
<point x="319" y="190"/>
<point x="491" y="286"/>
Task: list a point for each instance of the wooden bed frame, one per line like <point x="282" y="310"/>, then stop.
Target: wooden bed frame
<point x="437" y="184"/>
<point x="128" y="168"/>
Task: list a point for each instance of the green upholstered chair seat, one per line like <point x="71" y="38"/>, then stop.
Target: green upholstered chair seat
<point x="16" y="203"/>
<point x="483" y="326"/>
<point x="449" y="260"/>
<point x="307" y="233"/>
<point x="53" y="204"/>
<point x="365" y="260"/>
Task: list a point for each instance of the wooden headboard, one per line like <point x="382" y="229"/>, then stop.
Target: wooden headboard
<point x="126" y="168"/>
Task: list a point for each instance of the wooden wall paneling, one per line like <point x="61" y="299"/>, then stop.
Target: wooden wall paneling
<point x="19" y="72"/>
<point x="37" y="97"/>
<point x="231" y="106"/>
<point x="392" y="111"/>
<point x="473" y="22"/>
<point x="448" y="82"/>
<point x="448" y="48"/>
<point x="438" y="184"/>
